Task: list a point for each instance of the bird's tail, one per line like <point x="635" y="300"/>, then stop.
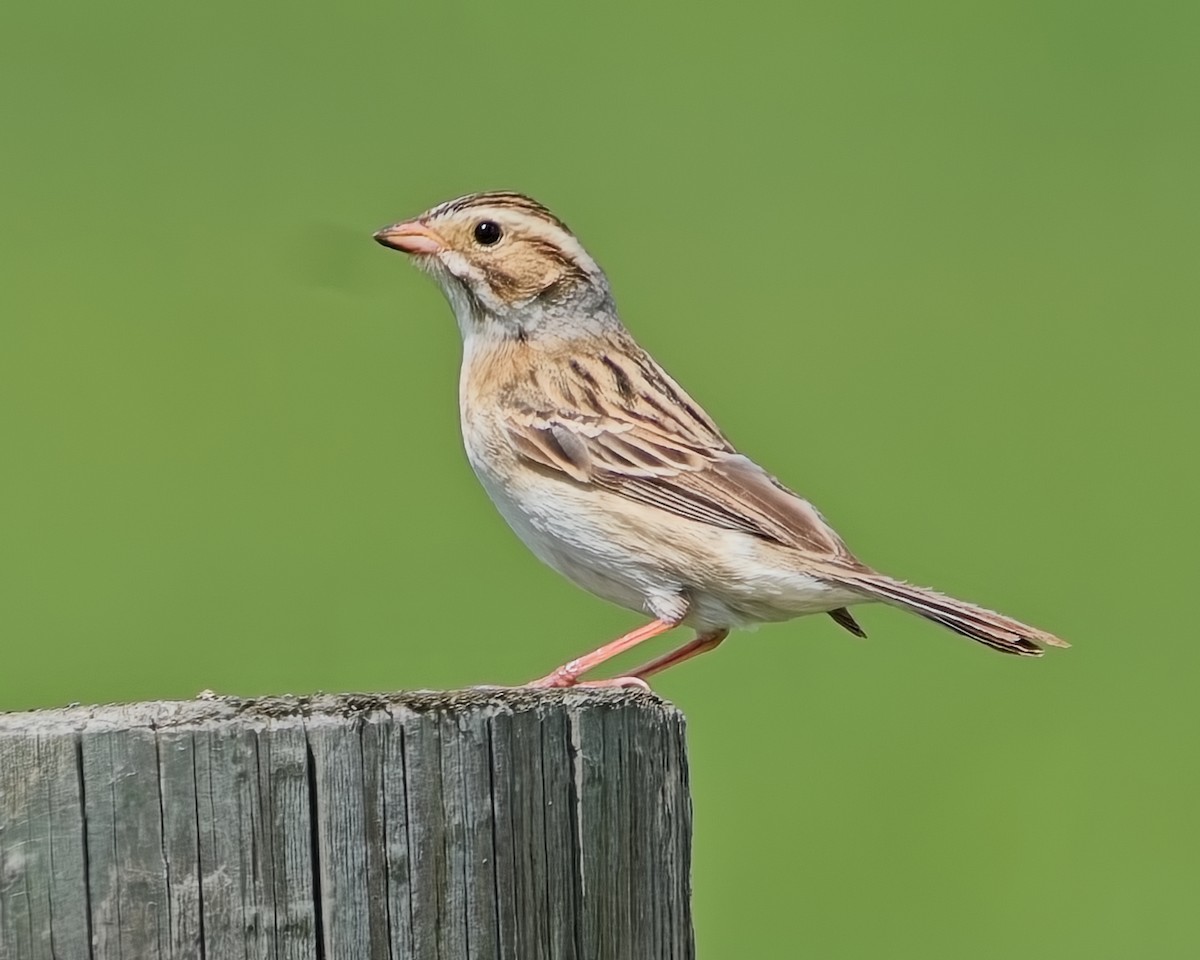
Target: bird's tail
<point x="985" y="626"/>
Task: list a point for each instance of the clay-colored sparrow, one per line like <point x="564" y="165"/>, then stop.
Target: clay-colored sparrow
<point x="611" y="473"/>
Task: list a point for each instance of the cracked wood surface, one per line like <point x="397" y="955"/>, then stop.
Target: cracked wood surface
<point x="510" y="824"/>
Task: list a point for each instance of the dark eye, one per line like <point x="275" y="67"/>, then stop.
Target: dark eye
<point x="488" y="232"/>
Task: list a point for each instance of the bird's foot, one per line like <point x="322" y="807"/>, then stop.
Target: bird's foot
<point x="562" y="679"/>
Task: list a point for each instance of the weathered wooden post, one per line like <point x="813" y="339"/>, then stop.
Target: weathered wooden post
<point x="510" y="824"/>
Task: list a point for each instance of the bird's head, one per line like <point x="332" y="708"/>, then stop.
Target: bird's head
<point x="505" y="262"/>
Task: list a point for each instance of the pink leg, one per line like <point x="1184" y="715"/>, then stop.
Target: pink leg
<point x="569" y="673"/>
<point x="701" y="644"/>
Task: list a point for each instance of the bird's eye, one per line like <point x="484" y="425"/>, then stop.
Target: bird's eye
<point x="488" y="232"/>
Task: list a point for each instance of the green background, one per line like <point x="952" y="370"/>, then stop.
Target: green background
<point x="934" y="264"/>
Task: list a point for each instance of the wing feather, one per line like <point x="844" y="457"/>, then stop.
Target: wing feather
<point x="704" y="482"/>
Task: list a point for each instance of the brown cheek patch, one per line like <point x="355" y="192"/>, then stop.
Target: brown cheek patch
<point x="506" y="285"/>
<point x="536" y="267"/>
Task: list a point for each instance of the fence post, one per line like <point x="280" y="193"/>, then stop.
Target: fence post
<point x="510" y="824"/>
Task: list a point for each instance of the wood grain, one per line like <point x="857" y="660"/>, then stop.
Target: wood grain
<point x="508" y="824"/>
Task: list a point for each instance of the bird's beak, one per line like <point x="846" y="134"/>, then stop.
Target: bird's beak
<point x="411" y="236"/>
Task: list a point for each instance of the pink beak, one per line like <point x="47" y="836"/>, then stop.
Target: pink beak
<point x="411" y="236"/>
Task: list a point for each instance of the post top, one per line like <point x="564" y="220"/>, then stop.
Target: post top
<point x="211" y="708"/>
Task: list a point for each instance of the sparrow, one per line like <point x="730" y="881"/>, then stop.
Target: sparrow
<point x="612" y="474"/>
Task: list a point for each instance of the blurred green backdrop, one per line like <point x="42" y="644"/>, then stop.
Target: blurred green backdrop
<point x="934" y="264"/>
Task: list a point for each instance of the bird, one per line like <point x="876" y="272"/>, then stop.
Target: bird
<point x="609" y="471"/>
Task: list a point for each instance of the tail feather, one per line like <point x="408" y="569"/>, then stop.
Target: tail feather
<point x="844" y="619"/>
<point x="985" y="626"/>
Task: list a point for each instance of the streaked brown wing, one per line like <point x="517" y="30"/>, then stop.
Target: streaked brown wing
<point x="706" y="483"/>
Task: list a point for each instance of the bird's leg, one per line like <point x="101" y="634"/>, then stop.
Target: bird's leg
<point x="701" y="644"/>
<point x="569" y="673"/>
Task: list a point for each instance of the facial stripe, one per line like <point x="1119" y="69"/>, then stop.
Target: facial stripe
<point x="502" y="199"/>
<point x="556" y="255"/>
